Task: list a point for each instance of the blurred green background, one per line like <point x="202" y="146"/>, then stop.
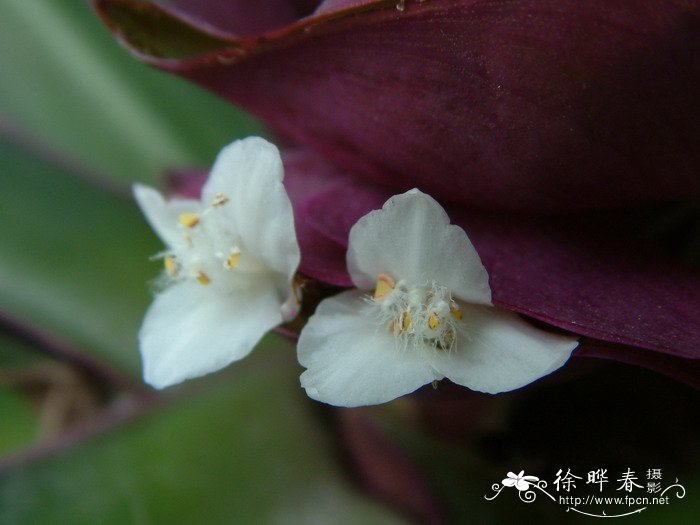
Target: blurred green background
<point x="82" y="441"/>
<point x="80" y="120"/>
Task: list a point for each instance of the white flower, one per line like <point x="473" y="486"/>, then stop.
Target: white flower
<point x="229" y="262"/>
<point x="429" y="316"/>
<point x="519" y="481"/>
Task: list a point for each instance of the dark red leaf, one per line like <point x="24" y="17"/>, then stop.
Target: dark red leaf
<point x="522" y="105"/>
<point x="684" y="370"/>
<point x="242" y="17"/>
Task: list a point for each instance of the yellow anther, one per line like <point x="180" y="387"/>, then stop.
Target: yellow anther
<point x="219" y="200"/>
<point x="232" y="260"/>
<point x="433" y="321"/>
<point x="405" y="321"/>
<point x="456" y="312"/>
<point x="202" y="278"/>
<point x="385" y="284"/>
<point x="170" y="265"/>
<point x="188" y="220"/>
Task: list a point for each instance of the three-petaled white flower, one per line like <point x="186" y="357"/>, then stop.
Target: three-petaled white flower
<point x="230" y="262"/>
<point x="429" y="317"/>
<point x="519" y="481"/>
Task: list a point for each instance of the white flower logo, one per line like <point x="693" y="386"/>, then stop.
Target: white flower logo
<point x="423" y="312"/>
<point x="519" y="481"/>
<point x="229" y="262"/>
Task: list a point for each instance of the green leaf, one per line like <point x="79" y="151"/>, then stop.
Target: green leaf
<point x="245" y="451"/>
<point x="74" y="259"/>
<point x="66" y="81"/>
<point x="19" y="422"/>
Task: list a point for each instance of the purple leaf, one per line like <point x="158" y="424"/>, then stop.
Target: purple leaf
<point x="684" y="370"/>
<point x="523" y="105"/>
<point x="330" y="6"/>
<point x="241" y="17"/>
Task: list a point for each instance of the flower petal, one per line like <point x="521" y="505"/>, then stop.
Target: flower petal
<point x="411" y="238"/>
<point x="191" y="330"/>
<point x="249" y="173"/>
<point x="509" y="482"/>
<point x="306" y="176"/>
<point x="351" y="361"/>
<point x="523" y="105"/>
<point x="521" y="485"/>
<point x="500" y="352"/>
<point x="163" y="215"/>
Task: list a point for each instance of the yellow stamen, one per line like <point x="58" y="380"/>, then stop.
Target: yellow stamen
<point x="170" y="265"/>
<point x="219" y="200"/>
<point x="456" y="312"/>
<point x="385" y="284"/>
<point x="202" y="278"/>
<point x="433" y="321"/>
<point x="232" y="260"/>
<point x="405" y="321"/>
<point x="188" y="220"/>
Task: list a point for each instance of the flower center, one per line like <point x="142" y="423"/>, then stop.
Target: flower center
<point x="200" y="256"/>
<point x="417" y="315"/>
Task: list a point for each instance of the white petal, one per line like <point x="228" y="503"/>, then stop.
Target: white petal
<point x="351" y="361"/>
<point x="191" y="330"/>
<point x="411" y="238"/>
<point x="249" y="172"/>
<point x="500" y="351"/>
<point x="163" y="215"/>
<point x="522" y="485"/>
<point x="508" y="482"/>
